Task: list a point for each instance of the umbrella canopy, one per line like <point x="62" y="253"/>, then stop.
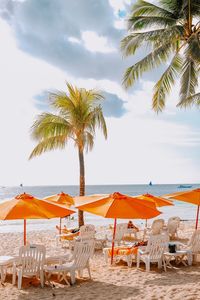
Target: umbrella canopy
<point x="61" y="198"/>
<point x="190" y="196"/>
<point x="159" y="201"/>
<point x="25" y="207"/>
<point x="115" y="206"/>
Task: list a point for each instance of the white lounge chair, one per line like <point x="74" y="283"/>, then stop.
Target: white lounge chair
<point x="194" y="244"/>
<point x="30" y="263"/>
<point x="156" y="228"/>
<point x="83" y="251"/>
<point x="153" y="252"/>
<point x="172" y="227"/>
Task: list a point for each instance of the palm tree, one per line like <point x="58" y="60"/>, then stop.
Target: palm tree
<point x="167" y="29"/>
<point x="78" y="115"/>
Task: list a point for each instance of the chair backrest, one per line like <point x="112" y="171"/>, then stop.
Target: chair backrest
<point x="157" y="226"/>
<point x="87" y="232"/>
<point x="83" y="251"/>
<point x="194" y="242"/>
<point x="157" y="244"/>
<point x="172" y="219"/>
<point x="121" y="229"/>
<point x="32" y="258"/>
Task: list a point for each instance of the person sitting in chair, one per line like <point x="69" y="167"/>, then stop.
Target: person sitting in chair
<point x="131" y="225"/>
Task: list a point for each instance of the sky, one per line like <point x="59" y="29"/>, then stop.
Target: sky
<point x="46" y="43"/>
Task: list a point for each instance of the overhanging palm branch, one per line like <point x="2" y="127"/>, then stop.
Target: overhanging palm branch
<point x="170" y="31"/>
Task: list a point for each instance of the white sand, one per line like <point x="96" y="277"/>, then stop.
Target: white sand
<point x="118" y="282"/>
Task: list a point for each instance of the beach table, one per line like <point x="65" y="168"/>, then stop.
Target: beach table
<point x="5" y="263"/>
<point x="179" y="257"/>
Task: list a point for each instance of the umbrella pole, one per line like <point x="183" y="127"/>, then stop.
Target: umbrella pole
<point x="60" y="225"/>
<point x="197" y="218"/>
<point x="24" y="232"/>
<point x="113" y="241"/>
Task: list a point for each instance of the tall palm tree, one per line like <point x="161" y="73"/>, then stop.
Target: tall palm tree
<point x="79" y="113"/>
<point x="171" y="30"/>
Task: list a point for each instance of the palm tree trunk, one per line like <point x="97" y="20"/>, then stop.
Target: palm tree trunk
<point x="82" y="184"/>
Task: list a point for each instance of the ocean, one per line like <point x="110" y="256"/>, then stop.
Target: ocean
<point x="184" y="210"/>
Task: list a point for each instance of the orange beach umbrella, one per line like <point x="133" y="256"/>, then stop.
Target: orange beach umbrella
<point x="63" y="199"/>
<point x="115" y="206"/>
<point x="25" y="207"/>
<point x="159" y="201"/>
<point x="190" y="196"/>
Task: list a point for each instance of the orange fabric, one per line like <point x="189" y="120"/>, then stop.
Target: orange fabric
<point x="159" y="201"/>
<point x="25" y="206"/>
<point x="123" y="251"/>
<point x="70" y="236"/>
<point x="61" y="198"/>
<point x="190" y="196"/>
<point x="117" y="205"/>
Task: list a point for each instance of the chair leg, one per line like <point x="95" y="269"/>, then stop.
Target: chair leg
<point x="89" y="273"/>
<point x="160" y="264"/>
<point x="14" y="276"/>
<point x="72" y="275"/>
<point x="80" y="273"/>
<point x="147" y="263"/>
<point x="138" y="261"/>
<point x="19" y="279"/>
<point x="42" y="278"/>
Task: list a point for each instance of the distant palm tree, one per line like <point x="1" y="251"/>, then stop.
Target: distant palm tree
<point x="171" y="36"/>
<point x="79" y="114"/>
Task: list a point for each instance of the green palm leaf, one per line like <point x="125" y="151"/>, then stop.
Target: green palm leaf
<point x="165" y="83"/>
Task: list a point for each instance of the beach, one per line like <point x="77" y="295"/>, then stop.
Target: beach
<point x="116" y="282"/>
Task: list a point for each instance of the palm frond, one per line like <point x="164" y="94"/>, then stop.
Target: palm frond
<point x="156" y="37"/>
<point x="149" y="9"/>
<point x="192" y="100"/>
<point x="189" y="81"/>
<point x="165" y="83"/>
<point x="143" y="22"/>
<point x="152" y="60"/>
<point x="51" y="143"/>
<point x="49" y="125"/>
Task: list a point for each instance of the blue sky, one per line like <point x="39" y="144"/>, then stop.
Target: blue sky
<point x="49" y="42"/>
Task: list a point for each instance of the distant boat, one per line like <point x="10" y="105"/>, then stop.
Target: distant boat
<point x="21" y="184"/>
<point x="184" y="186"/>
<point x="150" y="183"/>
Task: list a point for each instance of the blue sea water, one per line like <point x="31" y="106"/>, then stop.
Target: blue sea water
<point x="184" y="210"/>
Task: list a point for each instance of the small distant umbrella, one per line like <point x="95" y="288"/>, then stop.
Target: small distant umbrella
<point x="115" y="206"/>
<point x="63" y="199"/>
<point x="159" y="201"/>
<point x="25" y="207"/>
<point x="190" y="196"/>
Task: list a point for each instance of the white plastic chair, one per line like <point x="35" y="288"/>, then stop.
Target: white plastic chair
<point x="172" y="226"/>
<point x="153" y="252"/>
<point x="83" y="251"/>
<point x="121" y="230"/>
<point x="194" y="244"/>
<point x="30" y="263"/>
<point x="156" y="228"/>
<point x="87" y="232"/>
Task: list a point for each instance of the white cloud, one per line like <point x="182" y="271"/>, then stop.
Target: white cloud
<point x="95" y="43"/>
<point x="73" y="39"/>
